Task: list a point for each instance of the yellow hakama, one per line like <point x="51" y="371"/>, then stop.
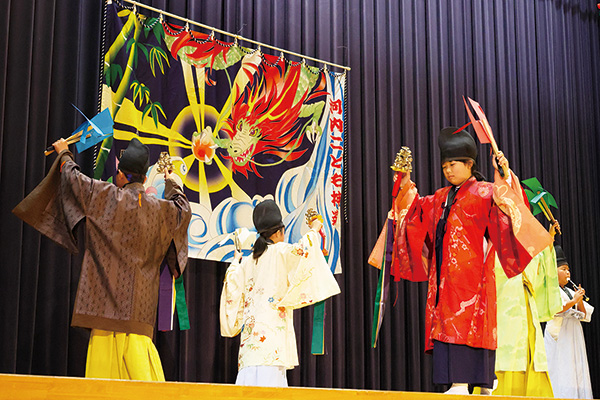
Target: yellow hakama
<point x="116" y="355"/>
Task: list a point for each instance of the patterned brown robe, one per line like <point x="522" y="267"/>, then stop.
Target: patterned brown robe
<point x="128" y="234"/>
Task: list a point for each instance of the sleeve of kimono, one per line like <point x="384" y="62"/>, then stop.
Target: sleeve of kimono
<point x="572" y="312"/>
<point x="177" y="253"/>
<point x="513" y="257"/>
<point x="553" y="327"/>
<point x="44" y="208"/>
<point x="76" y="192"/>
<point x="412" y="238"/>
<point x="376" y="256"/>
<point x="232" y="301"/>
<point x="589" y="309"/>
<point x="310" y="279"/>
<point x="545" y="282"/>
<point x="70" y="202"/>
<point x="514" y="231"/>
<point x="401" y="204"/>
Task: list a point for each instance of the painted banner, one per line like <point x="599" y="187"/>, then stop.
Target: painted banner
<point x="240" y="126"/>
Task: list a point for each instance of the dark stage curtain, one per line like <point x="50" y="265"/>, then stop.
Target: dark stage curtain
<point x="531" y="65"/>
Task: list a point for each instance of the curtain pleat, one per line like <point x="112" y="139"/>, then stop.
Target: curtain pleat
<point x="532" y="65"/>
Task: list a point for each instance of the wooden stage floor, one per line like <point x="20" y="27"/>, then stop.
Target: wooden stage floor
<point x="16" y="387"/>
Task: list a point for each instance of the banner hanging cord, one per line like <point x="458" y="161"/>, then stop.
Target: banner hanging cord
<point x="236" y="37"/>
<point x="345" y="187"/>
<point x="101" y="73"/>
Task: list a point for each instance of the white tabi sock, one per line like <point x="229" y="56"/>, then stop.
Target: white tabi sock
<point x="458" y="388"/>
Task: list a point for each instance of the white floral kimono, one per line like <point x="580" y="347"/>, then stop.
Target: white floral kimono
<point x="259" y="297"/>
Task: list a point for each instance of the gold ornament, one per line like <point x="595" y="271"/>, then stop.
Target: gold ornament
<point x="403" y="161"/>
<point x="164" y="162"/>
<point x="311" y="215"/>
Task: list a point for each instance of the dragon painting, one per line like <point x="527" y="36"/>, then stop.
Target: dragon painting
<point x="268" y="120"/>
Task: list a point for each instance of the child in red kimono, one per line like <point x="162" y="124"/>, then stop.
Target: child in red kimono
<point x="449" y="239"/>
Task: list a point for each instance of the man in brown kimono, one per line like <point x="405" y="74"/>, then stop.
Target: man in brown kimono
<point x="128" y="234"/>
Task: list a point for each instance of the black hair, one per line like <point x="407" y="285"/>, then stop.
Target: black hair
<point x="475" y="172"/>
<point x="139" y="178"/>
<point x="263" y="241"/>
<point x="474" y="169"/>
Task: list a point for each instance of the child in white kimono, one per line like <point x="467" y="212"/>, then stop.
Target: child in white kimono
<point x="261" y="292"/>
<point x="565" y="345"/>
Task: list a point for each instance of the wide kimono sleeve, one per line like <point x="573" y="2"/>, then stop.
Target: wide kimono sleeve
<point x="411" y="217"/>
<point x="231" y="308"/>
<point x="544" y="277"/>
<point x="589" y="310"/>
<point x="553" y="328"/>
<point x="59" y="202"/>
<point x="413" y="236"/>
<point x="516" y="234"/>
<point x="309" y="278"/>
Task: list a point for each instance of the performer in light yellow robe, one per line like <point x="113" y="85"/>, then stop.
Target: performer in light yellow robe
<point x="523" y="302"/>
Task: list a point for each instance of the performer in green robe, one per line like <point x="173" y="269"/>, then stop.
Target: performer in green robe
<point x="523" y="302"/>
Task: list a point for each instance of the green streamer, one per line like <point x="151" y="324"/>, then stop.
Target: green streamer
<point x="318" y="334"/>
<point x="181" y="305"/>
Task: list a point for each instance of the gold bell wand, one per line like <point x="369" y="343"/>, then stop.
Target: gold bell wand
<point x="403" y="164"/>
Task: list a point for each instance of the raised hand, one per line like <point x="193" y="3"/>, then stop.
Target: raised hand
<point x="554" y="228"/>
<point x="500" y="161"/>
<point x="316" y="225"/>
<point x="60" y="145"/>
<point x="579" y="294"/>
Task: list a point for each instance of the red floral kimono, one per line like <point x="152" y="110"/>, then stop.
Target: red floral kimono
<point x="477" y="225"/>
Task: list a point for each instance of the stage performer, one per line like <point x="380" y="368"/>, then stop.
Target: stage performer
<point x="128" y="234"/>
<point x="449" y="239"/>
<point x="261" y="292"/>
<point x="523" y="302"/>
<point x="565" y="344"/>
